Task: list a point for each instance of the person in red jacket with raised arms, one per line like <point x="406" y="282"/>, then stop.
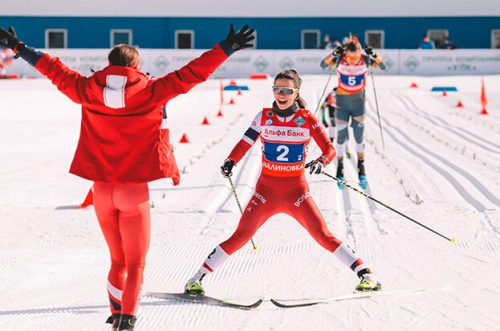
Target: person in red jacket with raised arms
<point x="122" y="147"/>
<point x="285" y="131"/>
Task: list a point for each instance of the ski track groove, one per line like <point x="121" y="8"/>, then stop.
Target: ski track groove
<point x="455" y="183"/>
<point x="474" y="147"/>
<point x="460" y="189"/>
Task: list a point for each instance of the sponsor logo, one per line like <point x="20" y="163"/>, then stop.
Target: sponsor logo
<point x="282" y="167"/>
<point x="260" y="197"/>
<point x="302" y="198"/>
<point x="299" y="121"/>
<point x="411" y="63"/>
<point x="389" y="63"/>
<point x="269" y="121"/>
<point x="286" y="63"/>
<point x="291" y="133"/>
<point x="284" y="133"/>
<point x="261" y="63"/>
<point x="161" y="63"/>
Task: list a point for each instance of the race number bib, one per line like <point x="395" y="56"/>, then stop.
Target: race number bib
<point x="283" y="153"/>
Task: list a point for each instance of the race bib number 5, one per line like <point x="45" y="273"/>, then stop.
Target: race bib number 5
<point x="352" y="80"/>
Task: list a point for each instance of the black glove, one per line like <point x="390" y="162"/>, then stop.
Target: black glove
<point x="338" y="51"/>
<point x="316" y="166"/>
<point x="241" y="39"/>
<point x="370" y="51"/>
<point x="325" y="123"/>
<point x="226" y="168"/>
<point x="8" y="39"/>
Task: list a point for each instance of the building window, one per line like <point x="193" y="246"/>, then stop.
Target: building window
<point x="437" y="36"/>
<point x="495" y="39"/>
<point x="375" y="38"/>
<point x="184" y="39"/>
<point x="56" y="38"/>
<point x="310" y="39"/>
<point x="121" y="37"/>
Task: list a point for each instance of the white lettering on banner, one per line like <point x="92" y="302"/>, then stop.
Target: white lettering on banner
<point x="437" y="59"/>
<point x="282" y="167"/>
<point x="114" y="92"/>
<point x="302" y="198"/>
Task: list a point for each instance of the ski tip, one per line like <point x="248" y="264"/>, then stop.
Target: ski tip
<point x="237" y="305"/>
<point x="453" y="240"/>
<point x="276" y="303"/>
<point x="256" y="304"/>
<point x="255" y="249"/>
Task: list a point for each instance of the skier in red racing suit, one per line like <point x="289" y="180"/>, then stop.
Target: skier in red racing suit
<point x="123" y="146"/>
<point x="285" y="131"/>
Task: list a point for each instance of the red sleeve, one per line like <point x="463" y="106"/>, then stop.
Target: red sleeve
<point x="195" y="72"/>
<point x="239" y="151"/>
<point x="321" y="138"/>
<point x="67" y="80"/>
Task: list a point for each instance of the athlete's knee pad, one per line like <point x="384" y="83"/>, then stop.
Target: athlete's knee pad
<point x="359" y="129"/>
<point x="341" y="132"/>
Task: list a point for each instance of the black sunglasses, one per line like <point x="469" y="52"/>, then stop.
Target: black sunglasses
<point x="285" y="90"/>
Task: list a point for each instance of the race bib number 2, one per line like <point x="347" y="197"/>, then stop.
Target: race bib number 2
<point x="283" y="153"/>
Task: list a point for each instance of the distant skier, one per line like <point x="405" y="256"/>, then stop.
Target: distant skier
<point x="352" y="67"/>
<point x="329" y="104"/>
<point x="285" y="131"/>
<point x="328" y="118"/>
<point x="123" y="146"/>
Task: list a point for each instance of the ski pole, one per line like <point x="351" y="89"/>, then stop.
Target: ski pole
<point x="326" y="86"/>
<point x="386" y="206"/>
<point x="255" y="248"/>
<point x="376" y="104"/>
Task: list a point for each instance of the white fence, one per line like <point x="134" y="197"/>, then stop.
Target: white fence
<point x="159" y="62"/>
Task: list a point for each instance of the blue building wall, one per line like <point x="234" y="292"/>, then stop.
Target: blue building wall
<point x="272" y="33"/>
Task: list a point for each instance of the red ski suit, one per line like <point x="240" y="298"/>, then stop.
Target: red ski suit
<point x="122" y="147"/>
<point x="282" y="187"/>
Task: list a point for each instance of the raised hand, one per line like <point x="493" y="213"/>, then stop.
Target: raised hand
<point x="8" y="38"/>
<point x="240" y="40"/>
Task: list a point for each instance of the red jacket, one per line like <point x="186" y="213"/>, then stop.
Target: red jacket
<point x="120" y="137"/>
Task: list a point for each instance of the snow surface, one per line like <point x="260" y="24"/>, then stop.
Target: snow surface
<point x="437" y="164"/>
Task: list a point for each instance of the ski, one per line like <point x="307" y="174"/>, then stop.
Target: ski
<point x="198" y="298"/>
<point x="355" y="295"/>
